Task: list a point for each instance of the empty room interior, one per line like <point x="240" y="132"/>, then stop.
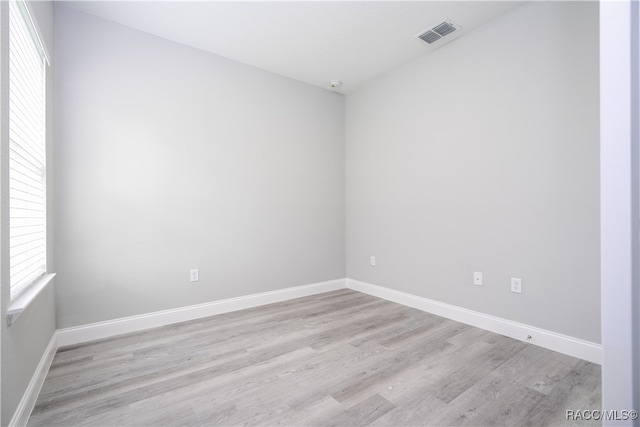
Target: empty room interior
<point x="319" y="213"/>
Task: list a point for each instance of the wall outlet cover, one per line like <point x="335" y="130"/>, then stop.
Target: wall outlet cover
<point x="516" y="285"/>
<point x="477" y="278"/>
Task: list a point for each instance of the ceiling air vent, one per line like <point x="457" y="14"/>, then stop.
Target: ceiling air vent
<point x="438" y="32"/>
<point x="429" y="36"/>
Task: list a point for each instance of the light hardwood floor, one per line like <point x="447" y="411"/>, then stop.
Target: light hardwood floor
<point x="339" y="358"/>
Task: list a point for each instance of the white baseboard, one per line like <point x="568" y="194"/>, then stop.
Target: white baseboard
<point x="28" y="401"/>
<point x="571" y="346"/>
<point x="551" y="340"/>
<point x="94" y="331"/>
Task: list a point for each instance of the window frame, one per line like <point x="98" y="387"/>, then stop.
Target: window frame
<point x="22" y="292"/>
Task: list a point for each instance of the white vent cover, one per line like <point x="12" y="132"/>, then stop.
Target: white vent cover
<point x="439" y="31"/>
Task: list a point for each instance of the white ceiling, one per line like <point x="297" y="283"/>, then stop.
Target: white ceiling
<point x="311" y="41"/>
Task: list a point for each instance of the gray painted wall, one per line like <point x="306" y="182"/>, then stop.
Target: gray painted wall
<point x="169" y="158"/>
<point x="23" y="343"/>
<point x="484" y="156"/>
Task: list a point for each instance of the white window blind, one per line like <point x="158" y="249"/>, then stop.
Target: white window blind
<point x="27" y="135"/>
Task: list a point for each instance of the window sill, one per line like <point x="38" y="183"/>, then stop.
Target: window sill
<point x="18" y="305"/>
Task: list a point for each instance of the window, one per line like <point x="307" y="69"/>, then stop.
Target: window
<point x="27" y="142"/>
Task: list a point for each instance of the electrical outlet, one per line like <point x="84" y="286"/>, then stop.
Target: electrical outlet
<point x="477" y="278"/>
<point x="516" y="285"/>
<point x="193" y="275"/>
<point x="372" y="261"/>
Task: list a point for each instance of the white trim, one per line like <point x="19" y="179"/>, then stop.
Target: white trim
<point x="26" y="296"/>
<point x="575" y="347"/>
<point x="618" y="198"/>
<point x="28" y="401"/>
<point x="28" y="14"/>
<point x="109" y="328"/>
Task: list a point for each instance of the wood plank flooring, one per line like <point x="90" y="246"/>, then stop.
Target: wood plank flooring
<point x="334" y="359"/>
